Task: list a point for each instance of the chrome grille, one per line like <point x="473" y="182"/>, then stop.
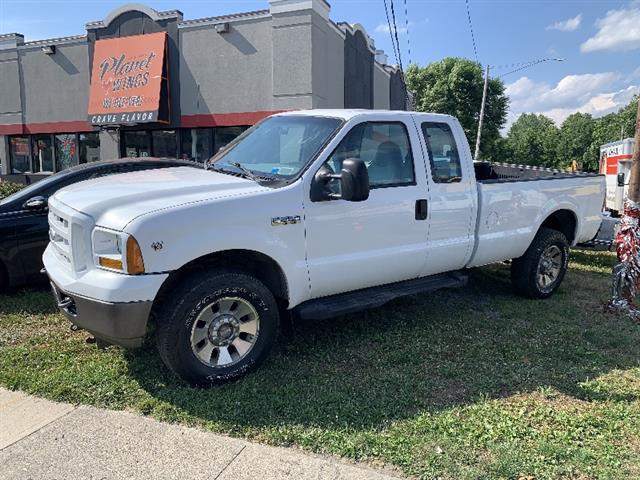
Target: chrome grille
<point x="60" y="236"/>
<point x="70" y="236"/>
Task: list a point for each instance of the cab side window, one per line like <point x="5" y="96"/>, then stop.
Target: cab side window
<point x="443" y="152"/>
<point x="385" y="149"/>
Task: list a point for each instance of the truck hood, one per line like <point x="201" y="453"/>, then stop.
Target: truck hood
<point x="114" y="201"/>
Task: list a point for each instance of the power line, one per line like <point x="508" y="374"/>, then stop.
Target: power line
<point x="406" y="22"/>
<point x="395" y="34"/>
<point x="518" y="64"/>
<point x="393" y="43"/>
<point x="393" y="31"/>
<point x="531" y="64"/>
<point x="473" y="37"/>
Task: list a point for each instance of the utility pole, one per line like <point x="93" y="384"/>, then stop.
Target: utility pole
<point x="626" y="274"/>
<point x="634" y="174"/>
<point x="476" y="154"/>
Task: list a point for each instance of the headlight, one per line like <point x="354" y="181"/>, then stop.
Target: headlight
<point x="117" y="251"/>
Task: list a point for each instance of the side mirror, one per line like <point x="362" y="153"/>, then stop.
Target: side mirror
<point x="621" y="179"/>
<point x="36" y="204"/>
<point x="354" y="182"/>
<point x="354" y="179"/>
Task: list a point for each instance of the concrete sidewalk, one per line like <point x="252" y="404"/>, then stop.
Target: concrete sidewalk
<point x="40" y="439"/>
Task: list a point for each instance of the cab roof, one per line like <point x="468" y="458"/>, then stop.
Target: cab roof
<point x="348" y="114"/>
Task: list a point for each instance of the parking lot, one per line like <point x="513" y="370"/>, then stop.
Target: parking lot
<point x="468" y="383"/>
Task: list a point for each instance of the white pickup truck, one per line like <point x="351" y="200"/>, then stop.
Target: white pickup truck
<point x="313" y="213"/>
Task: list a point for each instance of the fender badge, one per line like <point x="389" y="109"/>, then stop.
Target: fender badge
<point x="279" y="221"/>
<point x="157" y="246"/>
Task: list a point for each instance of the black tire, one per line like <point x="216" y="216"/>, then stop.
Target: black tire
<point x="4" y="278"/>
<point x="525" y="273"/>
<point x="176" y="315"/>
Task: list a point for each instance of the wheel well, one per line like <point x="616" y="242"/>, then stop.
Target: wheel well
<point x="563" y="221"/>
<point x="257" y="264"/>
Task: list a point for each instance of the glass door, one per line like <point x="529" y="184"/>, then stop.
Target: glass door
<point x="136" y="144"/>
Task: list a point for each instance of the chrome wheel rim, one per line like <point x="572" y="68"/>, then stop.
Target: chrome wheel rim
<point x="225" y="332"/>
<point x="549" y="267"/>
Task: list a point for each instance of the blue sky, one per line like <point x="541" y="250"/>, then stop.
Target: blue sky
<point x="600" y="40"/>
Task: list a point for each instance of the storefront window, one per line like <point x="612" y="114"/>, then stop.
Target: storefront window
<point x="164" y="143"/>
<point x="19" y="154"/>
<point x="196" y="144"/>
<point x="89" y="147"/>
<point x="136" y="144"/>
<point x="66" y="151"/>
<point x="224" y="135"/>
<point x="42" y="149"/>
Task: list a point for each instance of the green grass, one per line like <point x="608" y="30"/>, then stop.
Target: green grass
<point x="461" y="384"/>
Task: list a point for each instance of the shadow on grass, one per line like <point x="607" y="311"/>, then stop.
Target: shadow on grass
<point x="417" y="354"/>
<point x="37" y="300"/>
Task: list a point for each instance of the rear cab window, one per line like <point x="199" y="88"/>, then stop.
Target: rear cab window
<point x="443" y="152"/>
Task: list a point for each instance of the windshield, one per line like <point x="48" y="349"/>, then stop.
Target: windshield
<point x="278" y="147"/>
<point x="39" y="188"/>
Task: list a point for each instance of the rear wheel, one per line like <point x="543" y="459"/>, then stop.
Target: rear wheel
<point x="540" y="271"/>
<point x="221" y="326"/>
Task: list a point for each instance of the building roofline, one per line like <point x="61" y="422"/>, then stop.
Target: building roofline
<point x="353" y="28"/>
<point x="54" y="41"/>
<point x="150" y="12"/>
<point x="196" y="22"/>
<point x="339" y="27"/>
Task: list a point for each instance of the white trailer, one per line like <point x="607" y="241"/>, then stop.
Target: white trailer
<point x="615" y="164"/>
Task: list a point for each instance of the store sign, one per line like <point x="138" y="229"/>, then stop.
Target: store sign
<point x="20" y="146"/>
<point x="126" y="80"/>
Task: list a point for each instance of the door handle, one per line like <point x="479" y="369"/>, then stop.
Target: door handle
<point x="422" y="209"/>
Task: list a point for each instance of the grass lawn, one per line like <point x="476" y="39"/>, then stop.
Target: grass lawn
<point x="461" y="384"/>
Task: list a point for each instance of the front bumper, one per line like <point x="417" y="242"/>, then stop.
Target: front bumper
<point x="123" y="323"/>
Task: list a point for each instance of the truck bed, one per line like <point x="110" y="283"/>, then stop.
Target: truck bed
<point x="487" y="172"/>
<point x="511" y="208"/>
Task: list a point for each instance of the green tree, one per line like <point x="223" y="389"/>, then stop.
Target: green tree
<point x="454" y="86"/>
<point x="576" y="134"/>
<point x="534" y="140"/>
<point x="610" y="128"/>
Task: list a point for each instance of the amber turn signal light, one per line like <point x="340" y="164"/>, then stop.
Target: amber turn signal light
<point x="135" y="263"/>
<point x="110" y="263"/>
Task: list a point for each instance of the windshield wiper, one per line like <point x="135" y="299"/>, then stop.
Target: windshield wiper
<point x="246" y="171"/>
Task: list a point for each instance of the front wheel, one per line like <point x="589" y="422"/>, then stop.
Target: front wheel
<point x="221" y="326"/>
<point x="539" y="272"/>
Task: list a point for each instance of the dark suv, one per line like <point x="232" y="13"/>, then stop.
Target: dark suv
<point x="24" y="230"/>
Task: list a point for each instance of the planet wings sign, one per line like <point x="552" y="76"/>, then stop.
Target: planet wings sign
<point x="126" y="80"/>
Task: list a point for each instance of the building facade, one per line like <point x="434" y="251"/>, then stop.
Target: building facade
<point x="213" y="78"/>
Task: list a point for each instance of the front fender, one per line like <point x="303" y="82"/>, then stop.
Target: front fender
<point x="169" y="239"/>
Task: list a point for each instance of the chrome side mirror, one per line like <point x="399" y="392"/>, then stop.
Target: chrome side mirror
<point x="36" y="204"/>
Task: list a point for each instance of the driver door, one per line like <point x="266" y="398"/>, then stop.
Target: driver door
<point x="354" y="245"/>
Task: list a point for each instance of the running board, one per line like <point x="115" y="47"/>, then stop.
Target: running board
<point x="350" y="302"/>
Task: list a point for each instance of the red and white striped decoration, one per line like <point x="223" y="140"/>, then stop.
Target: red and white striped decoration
<point x="626" y="274"/>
